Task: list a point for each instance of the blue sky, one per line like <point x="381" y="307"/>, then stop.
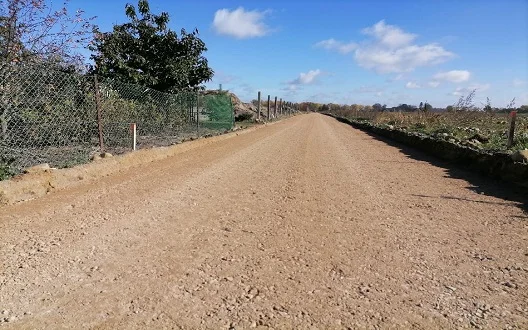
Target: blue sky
<point x="362" y="52"/>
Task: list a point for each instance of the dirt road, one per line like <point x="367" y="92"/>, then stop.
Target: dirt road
<point x="305" y="224"/>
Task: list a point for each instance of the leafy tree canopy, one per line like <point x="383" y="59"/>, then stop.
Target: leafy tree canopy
<point x="145" y="51"/>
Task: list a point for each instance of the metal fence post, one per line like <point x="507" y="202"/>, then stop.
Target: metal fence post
<point x="99" y="115"/>
<point x="511" y="134"/>
<point x="269" y="101"/>
<point x="258" y="107"/>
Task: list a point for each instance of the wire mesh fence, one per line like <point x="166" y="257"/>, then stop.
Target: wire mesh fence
<point x="59" y="118"/>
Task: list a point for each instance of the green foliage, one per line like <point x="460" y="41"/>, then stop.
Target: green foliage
<point x="145" y="51"/>
<point x="245" y="116"/>
<point x="6" y="171"/>
<point x="427" y="107"/>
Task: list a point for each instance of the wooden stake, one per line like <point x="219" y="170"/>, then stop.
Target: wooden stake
<point x="275" y="109"/>
<point x="258" y="107"/>
<point x="269" y="106"/>
<point x="513" y="116"/>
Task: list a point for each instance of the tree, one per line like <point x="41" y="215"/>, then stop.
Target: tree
<point x="487" y="106"/>
<point x="427" y="107"/>
<point x="377" y="107"/>
<point x="421" y="106"/>
<point x="145" y="51"/>
<point x="450" y="108"/>
<point x="32" y="32"/>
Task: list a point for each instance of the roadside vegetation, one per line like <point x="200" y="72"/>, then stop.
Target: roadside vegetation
<point x="485" y="128"/>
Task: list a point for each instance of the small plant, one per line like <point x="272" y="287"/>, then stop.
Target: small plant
<point x="6" y="170"/>
<point x="245" y="116"/>
<point x="465" y="103"/>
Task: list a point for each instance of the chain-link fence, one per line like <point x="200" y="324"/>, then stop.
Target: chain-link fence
<point x="49" y="116"/>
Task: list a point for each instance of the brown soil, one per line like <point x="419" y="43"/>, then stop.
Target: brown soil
<point x="305" y="224"/>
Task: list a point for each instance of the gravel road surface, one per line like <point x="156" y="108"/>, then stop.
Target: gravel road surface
<point x="303" y="224"/>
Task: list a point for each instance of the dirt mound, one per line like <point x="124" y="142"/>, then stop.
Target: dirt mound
<point x="240" y="107"/>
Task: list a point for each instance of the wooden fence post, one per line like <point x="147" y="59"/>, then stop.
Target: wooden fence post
<point x="198" y="112"/>
<point x="280" y="107"/>
<point x="269" y="106"/>
<point x="513" y="116"/>
<point x="275" y="109"/>
<point x="99" y="115"/>
<point x="133" y="132"/>
<point x="258" y="107"/>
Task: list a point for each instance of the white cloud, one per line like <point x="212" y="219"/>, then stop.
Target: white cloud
<point x="518" y="82"/>
<point x="412" y="85"/>
<point x="404" y="59"/>
<point x="460" y="91"/>
<point x="390" y="50"/>
<point x="389" y="35"/>
<point x="240" y="23"/>
<point x="455" y="76"/>
<point x="341" y="47"/>
<point x="306" y="78"/>
<point x="433" y="84"/>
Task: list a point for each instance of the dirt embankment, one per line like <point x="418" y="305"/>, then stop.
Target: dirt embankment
<point x="41" y="181"/>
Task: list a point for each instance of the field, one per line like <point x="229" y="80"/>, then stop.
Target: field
<point x="476" y="129"/>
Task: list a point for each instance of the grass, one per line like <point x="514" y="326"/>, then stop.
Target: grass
<point x="478" y="129"/>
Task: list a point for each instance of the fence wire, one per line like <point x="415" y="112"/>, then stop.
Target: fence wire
<point x="54" y="117"/>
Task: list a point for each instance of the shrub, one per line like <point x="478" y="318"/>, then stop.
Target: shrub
<point x="245" y="116"/>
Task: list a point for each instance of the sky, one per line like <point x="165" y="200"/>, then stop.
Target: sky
<point x="363" y="52"/>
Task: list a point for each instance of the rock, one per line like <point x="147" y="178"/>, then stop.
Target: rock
<point x="364" y="290"/>
<point x="96" y="157"/>
<point x="520" y="156"/>
<point x="451" y="288"/>
<point x="480" y="138"/>
<point x="38" y="168"/>
<point x="5" y="312"/>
